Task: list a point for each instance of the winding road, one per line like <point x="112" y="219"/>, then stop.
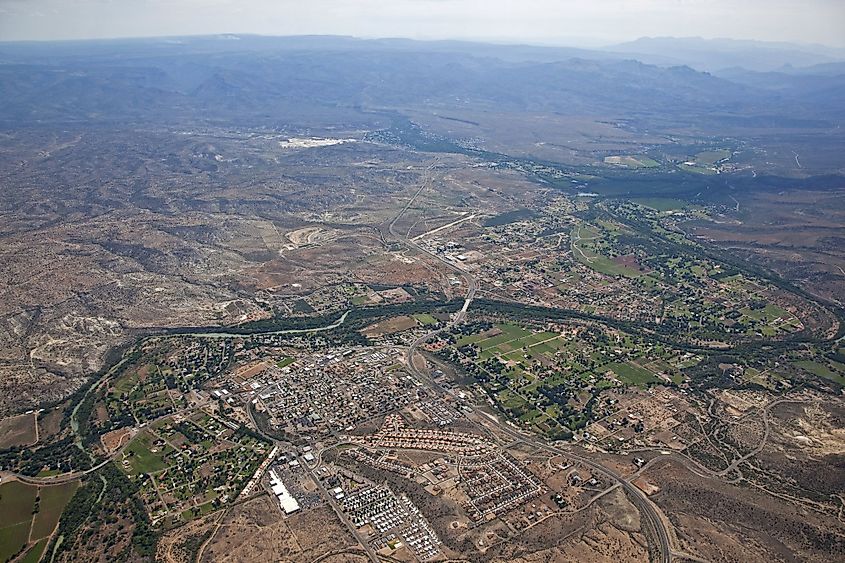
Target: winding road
<point x="654" y="528"/>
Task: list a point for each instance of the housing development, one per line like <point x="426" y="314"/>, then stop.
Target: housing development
<point x="342" y="301"/>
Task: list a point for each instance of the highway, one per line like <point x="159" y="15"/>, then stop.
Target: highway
<point x="660" y="548"/>
<point x="472" y="284"/>
<point x="653" y="527"/>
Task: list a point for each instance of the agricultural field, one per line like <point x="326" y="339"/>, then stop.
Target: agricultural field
<point x="29" y="515"/>
<point x="633" y="374"/>
<point x="590" y="248"/>
<point x="557" y="378"/>
<point x="707" y="162"/>
<point x="698" y="296"/>
<point x="831" y="370"/>
<point x="390" y="326"/>
<point x="711" y="157"/>
<point x="425" y="319"/>
<point x="660" y="276"/>
<point x="661" y="204"/>
<point x="285" y="362"/>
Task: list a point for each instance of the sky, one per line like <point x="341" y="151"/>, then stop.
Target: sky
<point x="556" y="22"/>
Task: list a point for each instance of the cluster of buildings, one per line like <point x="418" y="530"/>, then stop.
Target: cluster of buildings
<point x="531" y="261"/>
<point x="396" y="435"/>
<point x="383" y="461"/>
<point x="197" y="462"/>
<point x="393" y="520"/>
<point x="328" y="392"/>
<point x="341" y="296"/>
<point x="452" y="251"/>
<point x="439" y="411"/>
<point x="287" y="503"/>
<point x="256" y="477"/>
<point x="495" y="484"/>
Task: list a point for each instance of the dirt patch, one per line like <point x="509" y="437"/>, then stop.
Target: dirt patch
<point x="251" y="370"/>
<point x="646" y="486"/>
<point x="17" y="431"/>
<point x="722" y="522"/>
<point x="253" y="531"/>
<point x="50" y="423"/>
<point x="116" y="438"/>
<point x="390" y="326"/>
<point x="307" y="236"/>
<point x="183" y="544"/>
<point x="629" y="261"/>
<point x="257" y="531"/>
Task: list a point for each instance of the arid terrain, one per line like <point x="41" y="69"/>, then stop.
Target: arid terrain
<point x="245" y="318"/>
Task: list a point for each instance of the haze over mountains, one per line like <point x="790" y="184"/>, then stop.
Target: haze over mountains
<point x="321" y="298"/>
<point x="714" y="55"/>
<point x="223" y="77"/>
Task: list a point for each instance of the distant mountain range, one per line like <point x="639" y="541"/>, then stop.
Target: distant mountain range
<point x="231" y="78"/>
<point x="718" y="54"/>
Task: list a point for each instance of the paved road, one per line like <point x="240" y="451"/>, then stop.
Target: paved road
<point x="73" y="475"/>
<point x="657" y="529"/>
<point x="472" y="284"/>
<point x="653" y="526"/>
<point x="57" y="479"/>
<point x="342" y="515"/>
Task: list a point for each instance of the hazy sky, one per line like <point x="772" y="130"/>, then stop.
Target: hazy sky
<point x="533" y="21"/>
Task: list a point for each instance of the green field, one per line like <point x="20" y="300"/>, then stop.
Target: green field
<point x="125" y="384"/>
<point x="470" y="339"/>
<point x="709" y="158"/>
<point x="16" y="502"/>
<point x="604" y="265"/>
<point x="554" y="382"/>
<point x="582" y="247"/>
<point x="660" y="203"/>
<point x="509" y="333"/>
<point x="425" y="319"/>
<point x="197" y="511"/>
<point x="821" y="370"/>
<point x="34" y="553"/>
<point x="767" y="314"/>
<point x="511" y="400"/>
<point x="142" y="459"/>
<point x="611" y="268"/>
<point x="12" y="539"/>
<point x="286" y="361"/>
<point x="632" y="375"/>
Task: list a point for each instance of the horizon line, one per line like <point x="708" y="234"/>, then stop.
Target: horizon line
<point x="598" y="44"/>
